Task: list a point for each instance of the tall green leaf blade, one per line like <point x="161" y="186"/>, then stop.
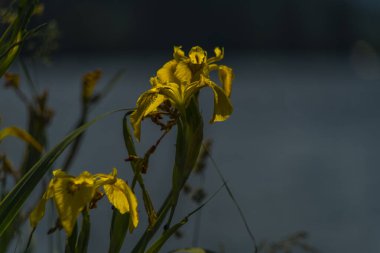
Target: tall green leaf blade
<point x="148" y="204"/>
<point x="157" y="245"/>
<point x="119" y="229"/>
<point x="12" y="203"/>
<point x="71" y="241"/>
<point x="165" y="236"/>
<point x="84" y="234"/>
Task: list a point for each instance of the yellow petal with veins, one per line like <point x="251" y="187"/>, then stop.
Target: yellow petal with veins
<point x="226" y="76"/>
<point x="116" y="194"/>
<point x="197" y="55"/>
<point x="179" y="54"/>
<point x="183" y="72"/>
<point x="166" y="73"/>
<point x="123" y="199"/>
<point x="222" y="105"/>
<point x="134" y="215"/>
<point x="70" y="199"/>
<point x="147" y="103"/>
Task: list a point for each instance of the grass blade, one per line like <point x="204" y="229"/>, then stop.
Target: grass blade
<point x="84" y="234"/>
<point x="119" y="229"/>
<point x="168" y="233"/>
<point x="215" y="165"/>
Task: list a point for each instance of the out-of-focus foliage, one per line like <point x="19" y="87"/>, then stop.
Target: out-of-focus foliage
<point x="14" y="30"/>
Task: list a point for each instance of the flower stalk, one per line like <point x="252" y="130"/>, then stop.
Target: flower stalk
<point x="178" y="83"/>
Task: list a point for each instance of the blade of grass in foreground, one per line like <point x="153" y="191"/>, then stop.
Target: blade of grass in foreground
<point x="155" y="248"/>
<point x="215" y="165"/>
<point x="12" y="203"/>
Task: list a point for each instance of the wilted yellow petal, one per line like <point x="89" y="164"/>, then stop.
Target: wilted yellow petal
<point x="89" y="82"/>
<point x="12" y="80"/>
<point x="147" y="103"/>
<point x="226" y="76"/>
<point x="197" y="55"/>
<point x="37" y="213"/>
<point x="21" y="134"/>
<point x="70" y="199"/>
<point x="222" y="105"/>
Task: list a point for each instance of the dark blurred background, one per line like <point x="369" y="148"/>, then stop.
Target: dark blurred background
<point x="99" y="25"/>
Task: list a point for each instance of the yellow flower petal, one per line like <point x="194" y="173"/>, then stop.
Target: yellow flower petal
<point x="173" y="92"/>
<point x="226" y="76"/>
<point x="183" y="72"/>
<point x="219" y="54"/>
<point x="166" y="73"/>
<point x="134" y="215"/>
<point x="61" y="174"/>
<point x="192" y="89"/>
<point x="103" y="179"/>
<point x="37" y="213"/>
<point x="71" y="198"/>
<point x="116" y="194"/>
<point x="124" y="200"/>
<point x="179" y="54"/>
<point x="147" y="103"/>
<point x="85" y="178"/>
<point x="21" y="134"/>
<point x="197" y="55"/>
<point x="222" y="105"/>
<point x="89" y="82"/>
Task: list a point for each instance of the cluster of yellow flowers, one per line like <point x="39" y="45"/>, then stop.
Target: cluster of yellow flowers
<point x="72" y="195"/>
<point x="177" y="82"/>
<point x="180" y="79"/>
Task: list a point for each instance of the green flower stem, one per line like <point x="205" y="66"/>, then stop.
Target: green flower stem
<point x="75" y="146"/>
<point x="37" y="128"/>
<point x="84" y="235"/>
<point x="151" y="231"/>
<point x="188" y="144"/>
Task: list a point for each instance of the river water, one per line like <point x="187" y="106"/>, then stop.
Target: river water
<point x="300" y="151"/>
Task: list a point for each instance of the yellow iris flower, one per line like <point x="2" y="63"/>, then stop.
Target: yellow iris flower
<point x="180" y="79"/>
<point x="72" y="195"/>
